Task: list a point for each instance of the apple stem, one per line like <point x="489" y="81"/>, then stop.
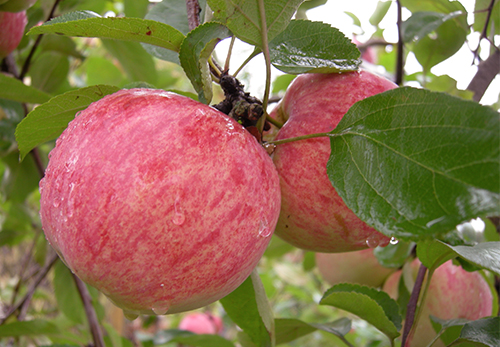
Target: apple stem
<point x="298" y="138"/>
<point x="412" y="304"/>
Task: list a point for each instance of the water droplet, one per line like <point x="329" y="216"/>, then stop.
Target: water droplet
<point x="269" y="147"/>
<point x="162" y="285"/>
<point x="372" y="241"/>
<point x="393" y="241"/>
<point x="160" y="309"/>
<point x="130" y="315"/>
<point x="56" y="203"/>
<point x="264" y="229"/>
<point x="178" y="218"/>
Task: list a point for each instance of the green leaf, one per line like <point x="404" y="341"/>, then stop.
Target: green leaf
<point x="135" y="8"/>
<point x="277" y="248"/>
<point x="19" y="179"/>
<point x="173" y="13"/>
<point x="47" y="121"/>
<point x="484" y="255"/>
<point x="89" y="24"/>
<point x="203" y="340"/>
<point x="13" y="89"/>
<point x="445" y="171"/>
<point x="376" y="307"/>
<point x="61" y="44"/>
<point x="49" y="71"/>
<point x="248" y="307"/>
<point x="137" y="63"/>
<point x="195" y="52"/>
<point x="28" y="328"/>
<point x="481" y="14"/>
<point x="380" y="12"/>
<point x="307" y="46"/>
<point x="243" y="17"/>
<point x="421" y="24"/>
<point x="11" y="113"/>
<point x="288" y="329"/>
<point x="485" y="331"/>
<point x="448" y="330"/>
<point x="394" y="256"/>
<point x="66" y="293"/>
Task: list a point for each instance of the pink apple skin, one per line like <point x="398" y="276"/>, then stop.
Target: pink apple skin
<point x="201" y="323"/>
<point x="313" y="216"/>
<point x="11" y="31"/>
<point x="453" y="293"/>
<point x="361" y="267"/>
<point x="161" y="202"/>
<point x="16" y="5"/>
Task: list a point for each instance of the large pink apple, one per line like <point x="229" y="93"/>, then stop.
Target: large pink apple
<point x="162" y="203"/>
<point x="16" y="5"/>
<point x="11" y="31"/>
<point x="453" y="293"/>
<point x="361" y="267"/>
<point x="201" y="323"/>
<point x="313" y="216"/>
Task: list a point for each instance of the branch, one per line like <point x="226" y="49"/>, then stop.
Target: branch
<point x="484" y="32"/>
<point x="400" y="46"/>
<point x="193" y="13"/>
<point x="486" y="72"/>
<point x="95" y="329"/>
<point x="412" y="304"/>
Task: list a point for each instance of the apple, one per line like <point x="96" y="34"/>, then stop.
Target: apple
<point x="368" y="54"/>
<point x="201" y="323"/>
<point x="453" y="293"/>
<point x="11" y="31"/>
<point x="313" y="216"/>
<point x="16" y="5"/>
<point x="162" y="203"/>
<point x="361" y="267"/>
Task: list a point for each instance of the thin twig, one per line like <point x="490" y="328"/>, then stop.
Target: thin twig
<point x="484" y="32"/>
<point x="400" y="47"/>
<point x="95" y="328"/>
<point x="27" y="62"/>
<point x="412" y="304"/>
<point x="193" y="13"/>
<point x="32" y="288"/>
<point x="230" y="50"/>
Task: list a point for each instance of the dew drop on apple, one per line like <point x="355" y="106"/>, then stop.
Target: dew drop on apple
<point x="160" y="309"/>
<point x="264" y="229"/>
<point x="178" y="218"/>
<point x="130" y="315"/>
<point x="393" y="241"/>
<point x="372" y="241"/>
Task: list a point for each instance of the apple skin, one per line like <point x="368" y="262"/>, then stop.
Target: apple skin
<point x="11" y="31"/>
<point x="361" y="267"/>
<point x="16" y="5"/>
<point x="453" y="293"/>
<point x="201" y="323"/>
<point x="313" y="216"/>
<point x="162" y="203"/>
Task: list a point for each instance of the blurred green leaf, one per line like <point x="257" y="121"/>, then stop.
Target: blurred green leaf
<point x="277" y="248"/>
<point x="28" y="328"/>
<point x="288" y="329"/>
<point x="380" y="12"/>
<point x="89" y="24"/>
<point x="11" y="113"/>
<point x="49" y="71"/>
<point x="307" y="46"/>
<point x="67" y="296"/>
<point x="354" y="18"/>
<point x="13" y="89"/>
<point x="195" y="53"/>
<point x="481" y="13"/>
<point x="60" y="44"/>
<point x="49" y="120"/>
<point x="376" y="307"/>
<point x="135" y="8"/>
<point x="247" y="306"/>
<point x="421" y="24"/>
<point x="444" y="173"/>
<point x="281" y="83"/>
<point x="19" y="179"/>
<point x="243" y="18"/>
<point x="203" y="341"/>
<point x="394" y="256"/>
<point x="101" y="70"/>
<point x="173" y="13"/>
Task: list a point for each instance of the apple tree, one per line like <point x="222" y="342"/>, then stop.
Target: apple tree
<point x="363" y="158"/>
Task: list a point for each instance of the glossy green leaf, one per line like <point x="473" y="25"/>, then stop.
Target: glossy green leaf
<point x="289" y="329"/>
<point x="394" y="256"/>
<point x="485" y="331"/>
<point x="49" y="71"/>
<point x="434" y="253"/>
<point x="47" y="121"/>
<point x="376" y="307"/>
<point x="448" y="330"/>
<point x="89" y="24"/>
<point x="28" y="328"/>
<point x="13" y="89"/>
<point x="195" y="52"/>
<point x="307" y="46"/>
<point x="243" y="17"/>
<point x="173" y="13"/>
<point x="421" y="24"/>
<point x="66" y="293"/>
<point x="443" y="173"/>
<point x="248" y="307"/>
<point x="380" y="12"/>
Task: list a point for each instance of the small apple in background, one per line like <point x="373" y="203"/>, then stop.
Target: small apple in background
<point x="313" y="216"/>
<point x="368" y="54"/>
<point x="16" y="5"/>
<point x="201" y="323"/>
<point x="162" y="203"/>
<point x="11" y="31"/>
<point x="453" y="293"/>
<point x="361" y="267"/>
